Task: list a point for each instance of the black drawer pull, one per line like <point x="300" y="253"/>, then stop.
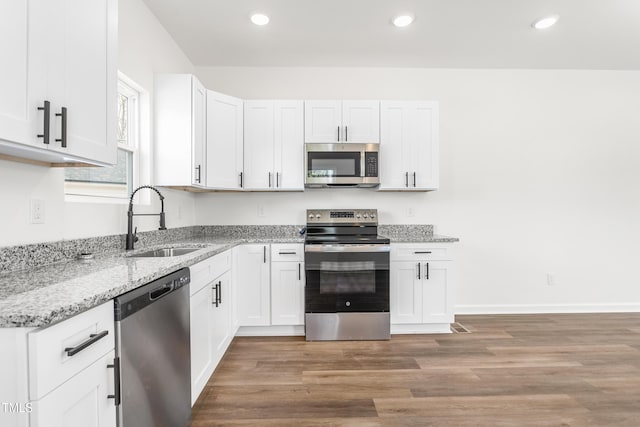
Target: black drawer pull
<point x="422" y="252"/>
<point x="93" y="338"/>
<point x="116" y="381"/>
<point x="287" y="253"/>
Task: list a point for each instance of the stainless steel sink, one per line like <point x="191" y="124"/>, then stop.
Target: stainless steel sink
<point x="164" y="252"/>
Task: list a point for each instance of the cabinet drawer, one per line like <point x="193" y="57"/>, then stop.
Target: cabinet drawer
<point x="50" y="364"/>
<point x="201" y="275"/>
<point x="220" y="264"/>
<point x="287" y="252"/>
<point x="420" y="252"/>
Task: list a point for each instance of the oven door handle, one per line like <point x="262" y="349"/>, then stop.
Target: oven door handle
<point x="347" y="248"/>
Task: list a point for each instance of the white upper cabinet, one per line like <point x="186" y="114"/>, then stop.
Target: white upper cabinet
<point x="59" y="58"/>
<point x="180" y="131"/>
<point x="409" y="145"/>
<point x="224" y="142"/>
<point x="342" y="121"/>
<point x="273" y="146"/>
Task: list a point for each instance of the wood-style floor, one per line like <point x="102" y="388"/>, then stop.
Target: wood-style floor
<point x="511" y="370"/>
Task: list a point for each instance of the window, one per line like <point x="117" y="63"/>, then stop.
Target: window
<point x="113" y="183"/>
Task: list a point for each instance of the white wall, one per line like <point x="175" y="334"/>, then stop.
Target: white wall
<point x="539" y="174"/>
<point x="144" y="48"/>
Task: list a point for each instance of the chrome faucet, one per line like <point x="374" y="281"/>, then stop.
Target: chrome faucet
<point x="131" y="235"/>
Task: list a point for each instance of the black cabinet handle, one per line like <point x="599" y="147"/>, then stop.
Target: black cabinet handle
<point x="414" y="179"/>
<point x="278" y="179"/>
<point x="269" y="179"/>
<point x="418" y="271"/>
<point x="338" y="133"/>
<point x="220" y="292"/>
<point x="286" y="253"/>
<point x="116" y="381"/>
<point x="264" y="254"/>
<point x="422" y="252"/>
<point x="346" y="135"/>
<point x="241" y="183"/>
<point x="63" y="128"/>
<point x="427" y="271"/>
<point x="47" y="116"/>
<point x="93" y="338"/>
<point x="215" y="298"/>
<point x="299" y="272"/>
<point x="406" y="179"/>
<point x="198" y="168"/>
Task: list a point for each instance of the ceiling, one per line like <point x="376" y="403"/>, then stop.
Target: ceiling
<point x="591" y="34"/>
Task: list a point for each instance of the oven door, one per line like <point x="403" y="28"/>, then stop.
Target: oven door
<point x="346" y="278"/>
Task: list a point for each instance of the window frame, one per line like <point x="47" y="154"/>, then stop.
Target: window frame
<point x="138" y="118"/>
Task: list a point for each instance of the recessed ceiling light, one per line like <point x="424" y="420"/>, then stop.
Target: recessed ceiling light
<point x="544" y="23"/>
<point x="260" y="19"/>
<point x="402" y="20"/>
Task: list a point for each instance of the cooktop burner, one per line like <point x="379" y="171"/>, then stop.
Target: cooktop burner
<point x="343" y="226"/>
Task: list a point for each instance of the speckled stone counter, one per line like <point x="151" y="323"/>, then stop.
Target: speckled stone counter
<point x="56" y="285"/>
<point x="51" y="293"/>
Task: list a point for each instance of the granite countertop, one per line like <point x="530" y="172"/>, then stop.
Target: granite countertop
<point x="41" y="296"/>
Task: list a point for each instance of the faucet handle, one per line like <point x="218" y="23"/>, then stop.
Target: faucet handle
<point x="135" y="235"/>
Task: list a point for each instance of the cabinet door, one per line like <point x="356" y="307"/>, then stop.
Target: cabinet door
<point x="201" y="340"/>
<point x="199" y="133"/>
<point x="289" y="145"/>
<point x="323" y="121"/>
<point x="406" y="293"/>
<point x="395" y="145"/>
<point x="23" y="65"/>
<point x="361" y="121"/>
<point x="81" y="401"/>
<point x="437" y="292"/>
<point x="287" y="293"/>
<point x="220" y="320"/>
<point x="259" y="172"/>
<point x="254" y="290"/>
<point x="82" y="76"/>
<point x="425" y="146"/>
<point x="224" y="141"/>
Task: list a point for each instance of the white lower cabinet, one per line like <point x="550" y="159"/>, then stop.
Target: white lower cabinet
<point x="82" y="401"/>
<point x="422" y="288"/>
<point x="254" y="290"/>
<point x="287" y="284"/>
<point x="210" y="316"/>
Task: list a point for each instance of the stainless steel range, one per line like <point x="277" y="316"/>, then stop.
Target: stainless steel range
<point x="347" y="276"/>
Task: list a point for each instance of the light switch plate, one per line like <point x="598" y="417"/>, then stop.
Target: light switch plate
<point x="36" y="211"/>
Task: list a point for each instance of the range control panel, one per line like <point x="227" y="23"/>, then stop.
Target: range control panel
<point x="342" y="216"/>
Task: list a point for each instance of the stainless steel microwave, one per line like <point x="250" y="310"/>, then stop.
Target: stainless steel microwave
<point x="341" y="165"/>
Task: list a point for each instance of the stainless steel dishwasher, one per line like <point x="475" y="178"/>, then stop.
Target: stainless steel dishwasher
<point x="153" y="357"/>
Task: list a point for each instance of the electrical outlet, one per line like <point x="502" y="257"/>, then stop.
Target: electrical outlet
<point x="411" y="212"/>
<point x="36" y="211"/>
<point x="551" y="279"/>
<point x="261" y="210"/>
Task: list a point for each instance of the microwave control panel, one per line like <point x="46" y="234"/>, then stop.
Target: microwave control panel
<point x="370" y="164"/>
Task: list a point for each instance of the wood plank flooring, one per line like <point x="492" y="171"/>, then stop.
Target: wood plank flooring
<point x="510" y="370"/>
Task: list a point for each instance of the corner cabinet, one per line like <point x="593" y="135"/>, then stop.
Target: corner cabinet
<point x="180" y="131"/>
<point x="224" y="142"/>
<point x="409" y="147"/>
<point x="422" y="281"/>
<point x="252" y="266"/>
<point x="273" y="146"/>
<point x="287" y="284"/>
<point x="342" y="121"/>
<point x="59" y="85"/>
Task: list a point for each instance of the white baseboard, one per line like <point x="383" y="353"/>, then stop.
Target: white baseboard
<point x="270" y="331"/>
<point x="549" y="308"/>
<point x="431" y="328"/>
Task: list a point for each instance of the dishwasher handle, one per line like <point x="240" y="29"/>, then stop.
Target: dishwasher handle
<point x="158" y="292"/>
